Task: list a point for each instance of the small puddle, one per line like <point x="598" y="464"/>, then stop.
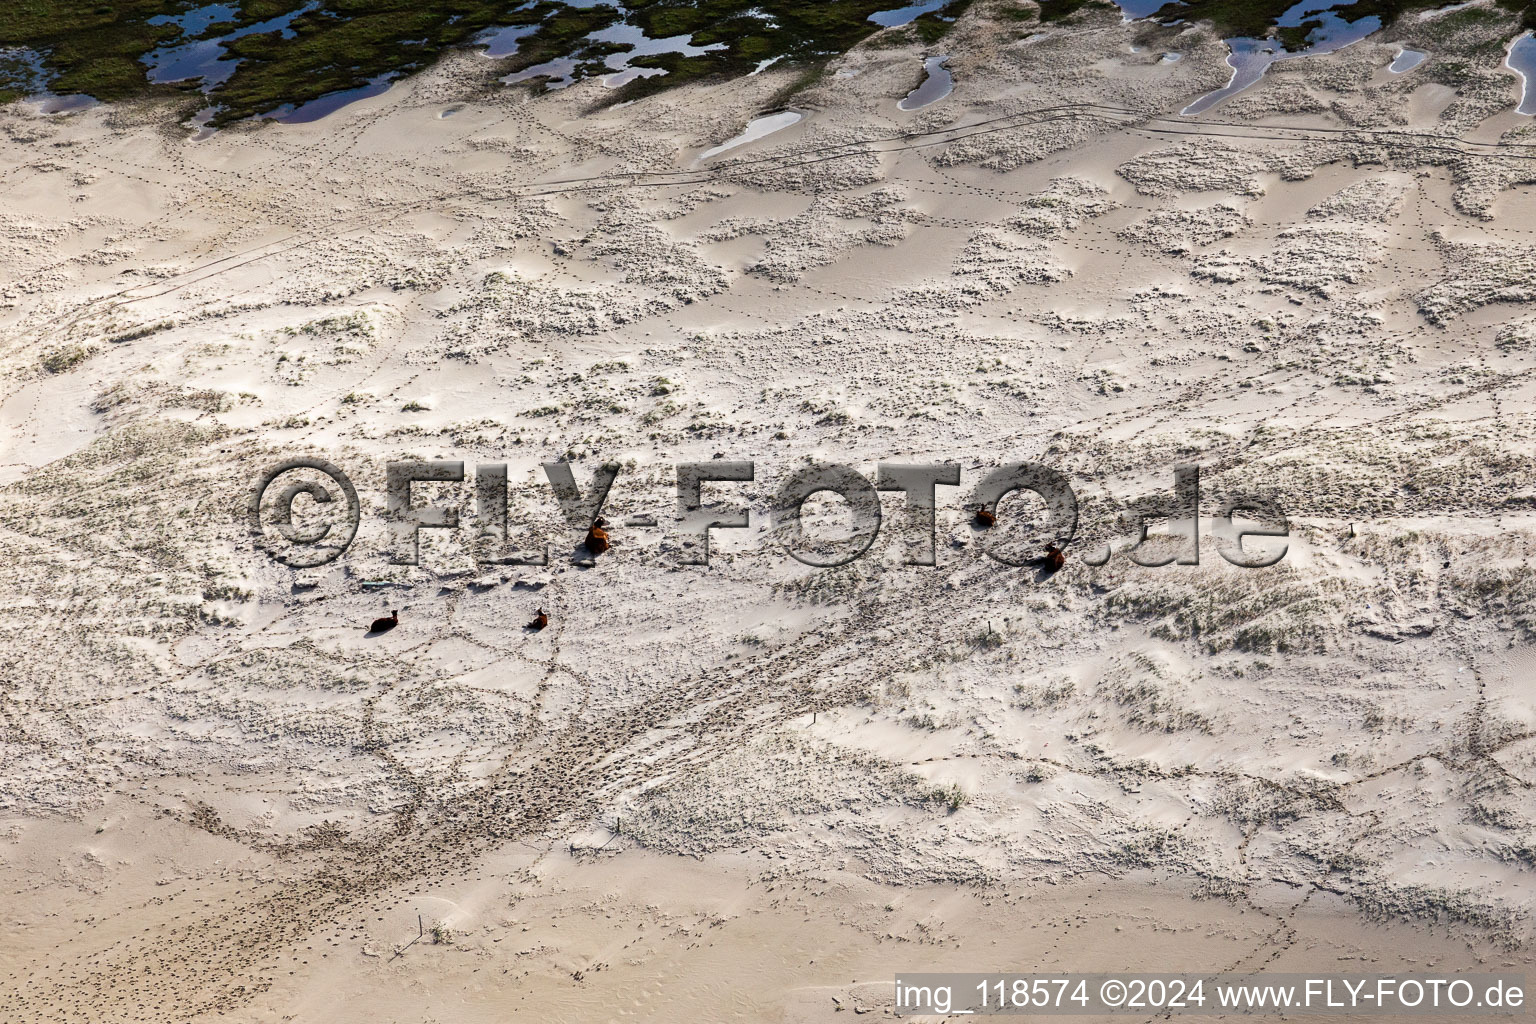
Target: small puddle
<point x="201" y="121"/>
<point x="1522" y="61"/>
<point x="757" y="128"/>
<point x="47" y="103"/>
<point x="1406" y="60"/>
<point x="1437" y="12"/>
<point x="936" y="84"/>
<point x="1249" y="58"/>
<point x="1172" y="57"/>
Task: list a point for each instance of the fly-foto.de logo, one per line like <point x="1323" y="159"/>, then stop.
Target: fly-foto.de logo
<point x="494" y="542"/>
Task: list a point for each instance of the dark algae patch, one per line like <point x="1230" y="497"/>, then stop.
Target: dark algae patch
<point x="341" y="46"/>
<point x="91" y="48"/>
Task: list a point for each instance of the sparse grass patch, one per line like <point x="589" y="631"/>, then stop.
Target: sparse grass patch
<point x="57" y="360"/>
<point x="950" y="796"/>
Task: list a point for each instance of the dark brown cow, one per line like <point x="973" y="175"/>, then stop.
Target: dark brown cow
<point x="1054" y="559"/>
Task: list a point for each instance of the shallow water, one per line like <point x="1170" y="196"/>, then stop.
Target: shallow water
<point x="47" y="103"/>
<point x="1406" y="61"/>
<point x="1522" y="60"/>
<point x="1249" y="58"/>
<point x="204" y="58"/>
<point x="642" y="45"/>
<point x="1437" y="12"/>
<point x="936" y="84"/>
<point x="315" y="109"/>
<point x="906" y="15"/>
<point x="1133" y="9"/>
<point x="562" y="70"/>
<point x="757" y="128"/>
<point x="21" y="69"/>
<point x="201" y="121"/>
<point x="502" y="42"/>
<point x="198" y="20"/>
<point x="207" y="62"/>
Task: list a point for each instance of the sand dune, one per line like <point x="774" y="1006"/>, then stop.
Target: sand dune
<point x="756" y="790"/>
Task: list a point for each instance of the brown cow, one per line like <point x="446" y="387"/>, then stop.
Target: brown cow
<point x="1054" y="559"/>
<point x="597" y="537"/>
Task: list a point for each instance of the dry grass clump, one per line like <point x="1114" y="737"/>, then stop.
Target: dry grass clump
<point x="1275" y="610"/>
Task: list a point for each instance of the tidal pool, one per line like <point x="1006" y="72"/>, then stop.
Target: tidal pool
<point x="1522" y="61"/>
<point x="757" y="128"/>
<point x="936" y="84"/>
<point x="21" y="70"/>
<point x="561" y="72"/>
<point x="1437" y="12"/>
<point x="198" y="20"/>
<point x="502" y="42"/>
<point x="47" y="103"/>
<point x="1132" y="10"/>
<point x="1406" y="60"/>
<point x="315" y="109"/>
<point x="905" y="15"/>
